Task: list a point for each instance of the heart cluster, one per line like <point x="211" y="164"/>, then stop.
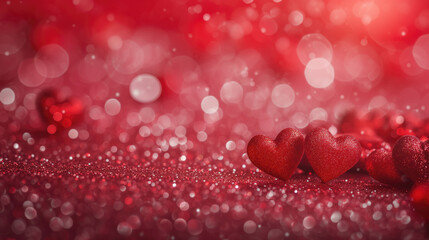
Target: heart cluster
<point x="331" y="156"/>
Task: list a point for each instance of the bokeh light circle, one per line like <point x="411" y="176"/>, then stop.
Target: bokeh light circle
<point x="128" y="59"/>
<point x="231" y="92"/>
<point x="7" y="96"/>
<point x="209" y="104"/>
<point x="318" y="114"/>
<point x="283" y="96"/>
<point x="73" y="133"/>
<point x="319" y="73"/>
<point x="314" y="45"/>
<point x="145" y="88"/>
<point x="112" y="107"/>
<point x="51" y="61"/>
<point x="296" y="18"/>
<point x="29" y="75"/>
<point x="408" y="64"/>
<point x="421" y="51"/>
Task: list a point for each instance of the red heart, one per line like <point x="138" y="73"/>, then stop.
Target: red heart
<point x="331" y="156"/>
<point x="411" y="157"/>
<point x="380" y="166"/>
<point x="59" y="113"/>
<point x="280" y="157"/>
<point x="304" y="164"/>
<point x="420" y="200"/>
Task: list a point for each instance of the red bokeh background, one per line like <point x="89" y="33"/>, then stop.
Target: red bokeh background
<point x="131" y="118"/>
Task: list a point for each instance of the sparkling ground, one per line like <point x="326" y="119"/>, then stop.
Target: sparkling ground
<point x="69" y="193"/>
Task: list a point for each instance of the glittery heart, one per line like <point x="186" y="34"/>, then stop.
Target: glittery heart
<point x="280" y="157"/>
<point x="411" y="157"/>
<point x="59" y="113"/>
<point x="420" y="200"/>
<point x="380" y="166"/>
<point x="331" y="156"/>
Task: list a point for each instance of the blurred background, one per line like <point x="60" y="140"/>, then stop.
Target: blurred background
<point x="136" y="68"/>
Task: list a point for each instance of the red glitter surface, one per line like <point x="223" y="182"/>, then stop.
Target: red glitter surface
<point x="81" y="190"/>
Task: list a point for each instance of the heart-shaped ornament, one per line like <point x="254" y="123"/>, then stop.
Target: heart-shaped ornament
<point x="280" y="157"/>
<point x="59" y="113"/>
<point x="331" y="156"/>
<point x="411" y="157"/>
<point x="380" y="166"/>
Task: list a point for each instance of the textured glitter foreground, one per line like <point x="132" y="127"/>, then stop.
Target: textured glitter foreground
<point x="124" y="191"/>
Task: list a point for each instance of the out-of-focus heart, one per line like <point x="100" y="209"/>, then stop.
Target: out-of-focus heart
<point x="380" y="166"/>
<point x="59" y="113"/>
